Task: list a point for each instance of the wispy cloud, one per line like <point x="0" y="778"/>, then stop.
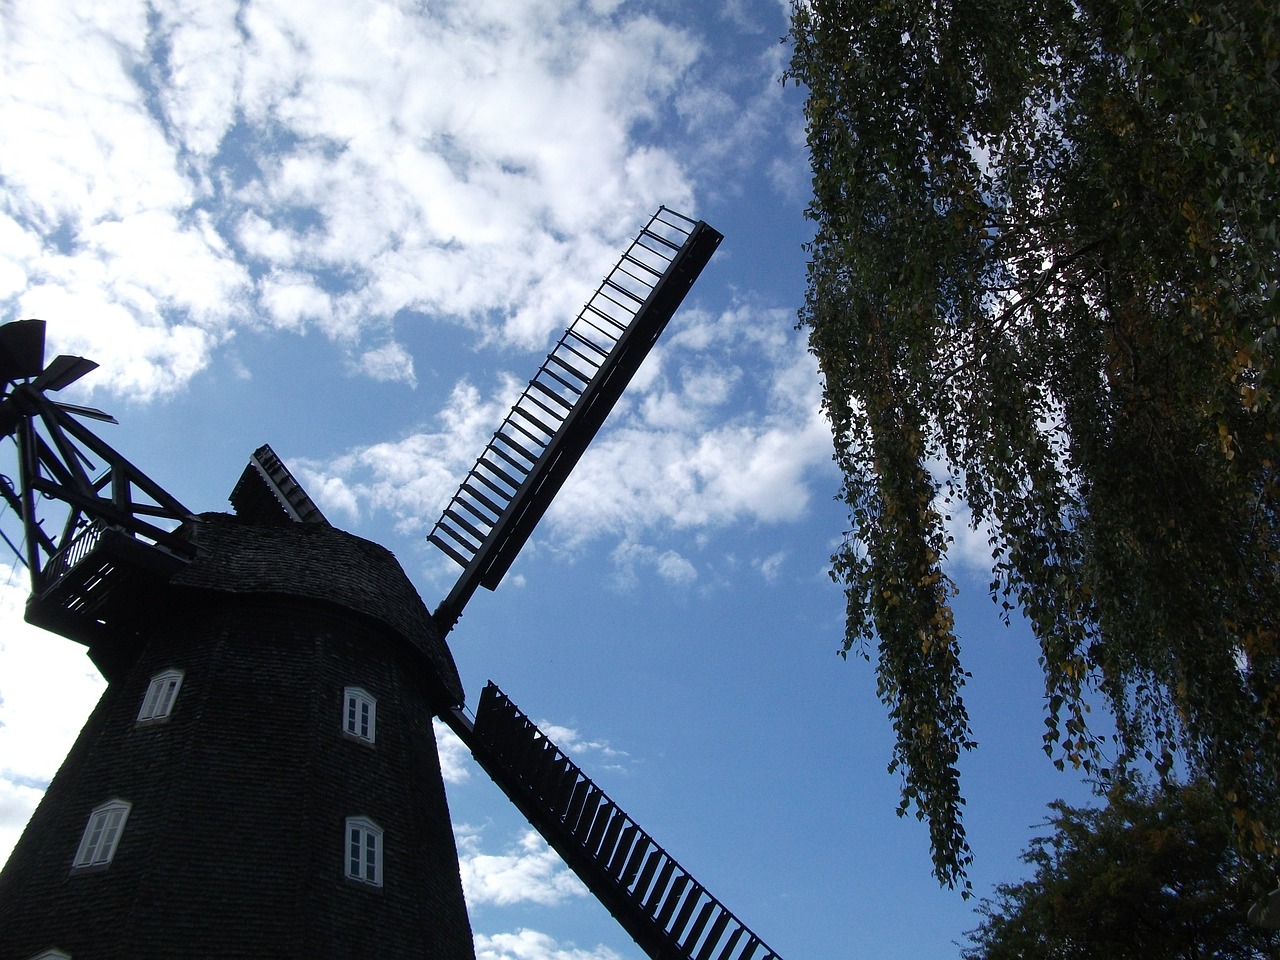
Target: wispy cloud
<point x="771" y="565"/>
<point x="630" y="557"/>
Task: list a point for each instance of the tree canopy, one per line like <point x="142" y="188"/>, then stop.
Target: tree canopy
<point x="1154" y="875"/>
<point x="1043" y="287"/>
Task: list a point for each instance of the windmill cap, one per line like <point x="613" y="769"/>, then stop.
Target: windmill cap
<point x="319" y="563"/>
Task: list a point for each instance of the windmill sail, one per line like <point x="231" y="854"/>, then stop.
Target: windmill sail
<point x="530" y="456"/>
<point x="668" y="913"/>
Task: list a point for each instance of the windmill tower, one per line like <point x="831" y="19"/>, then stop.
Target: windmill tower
<point x="260" y="776"/>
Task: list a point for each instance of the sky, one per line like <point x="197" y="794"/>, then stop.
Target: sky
<point x="353" y="231"/>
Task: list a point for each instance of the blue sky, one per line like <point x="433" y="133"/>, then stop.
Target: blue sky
<point x="353" y="230"/>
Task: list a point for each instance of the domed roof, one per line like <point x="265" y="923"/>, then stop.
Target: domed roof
<point x="316" y="561"/>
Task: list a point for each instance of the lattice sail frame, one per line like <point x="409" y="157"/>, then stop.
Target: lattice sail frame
<point x="529" y="457"/>
<point x="669" y="914"/>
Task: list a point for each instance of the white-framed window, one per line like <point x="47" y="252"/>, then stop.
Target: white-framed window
<point x="359" y="713"/>
<point x="161" y="694"/>
<point x="102" y="834"/>
<point x="363" y="840"/>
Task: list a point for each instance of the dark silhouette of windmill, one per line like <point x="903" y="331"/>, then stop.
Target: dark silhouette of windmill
<point x="260" y="777"/>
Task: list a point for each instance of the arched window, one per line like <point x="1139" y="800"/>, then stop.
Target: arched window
<point x="161" y="694"/>
<point x="364" y="851"/>
<point x="102" y="834"/>
<point x="359" y="713"/>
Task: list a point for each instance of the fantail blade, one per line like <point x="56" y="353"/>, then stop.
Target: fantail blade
<point x="21" y="350"/>
<point x="63" y="372"/>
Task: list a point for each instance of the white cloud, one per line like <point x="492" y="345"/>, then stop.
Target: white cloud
<point x="390" y="362"/>
<point x="47" y="689"/>
<point x="738" y="105"/>
<point x="530" y="872"/>
<point x="722" y="425"/>
<point x="970" y="546"/>
<point x="628" y="557"/>
<point x="143" y="357"/>
<point x="570" y="741"/>
<point x="331" y="493"/>
<point x="204" y="70"/>
<point x="200" y="166"/>
<point x="291" y="300"/>
<point x="527" y="944"/>
<point x="771" y="565"/>
<point x="675" y="569"/>
<point x="17" y="802"/>
<point x="727" y="456"/>
<point x="414" y="477"/>
<point x="455" y="758"/>
<point x="443" y="155"/>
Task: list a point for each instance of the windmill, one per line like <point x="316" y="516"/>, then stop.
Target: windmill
<point x="275" y="613"/>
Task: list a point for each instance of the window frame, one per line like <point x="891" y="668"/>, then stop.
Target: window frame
<point x="161" y="696"/>
<point x="363" y="851"/>
<point x="355" y="725"/>
<point x="102" y="833"/>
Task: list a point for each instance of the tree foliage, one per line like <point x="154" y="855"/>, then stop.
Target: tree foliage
<point x="1043" y="286"/>
<point x="1154" y="875"/>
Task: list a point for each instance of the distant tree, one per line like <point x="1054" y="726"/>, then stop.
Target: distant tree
<point x="1043" y="284"/>
<point x="1154" y="875"/>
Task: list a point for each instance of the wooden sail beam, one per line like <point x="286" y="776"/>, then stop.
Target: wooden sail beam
<point x="531" y="455"/>
<point x="665" y="910"/>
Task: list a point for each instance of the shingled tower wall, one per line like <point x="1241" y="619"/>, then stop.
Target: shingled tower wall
<point x="236" y="840"/>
